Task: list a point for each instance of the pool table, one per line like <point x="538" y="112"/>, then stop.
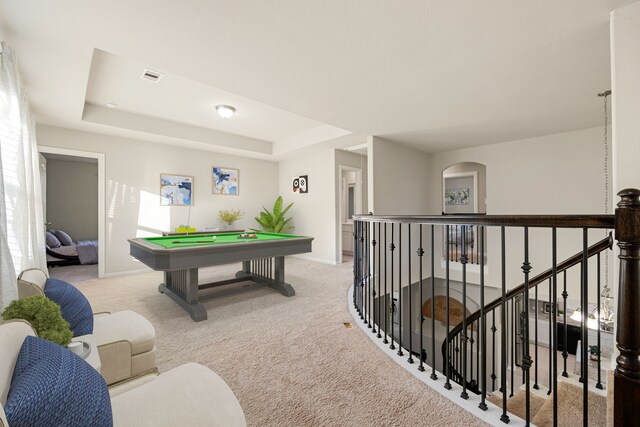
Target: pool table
<point x="180" y="257"/>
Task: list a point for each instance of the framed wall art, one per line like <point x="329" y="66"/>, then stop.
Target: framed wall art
<point x="301" y="184"/>
<point x="226" y="181"/>
<point x="176" y="190"/>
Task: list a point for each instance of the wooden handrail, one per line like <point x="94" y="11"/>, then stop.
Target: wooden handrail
<point x="537" y="221"/>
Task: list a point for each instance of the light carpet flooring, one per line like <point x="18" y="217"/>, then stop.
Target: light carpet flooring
<point x="290" y="361"/>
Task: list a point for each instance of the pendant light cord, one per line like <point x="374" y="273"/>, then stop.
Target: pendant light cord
<point x="605" y="94"/>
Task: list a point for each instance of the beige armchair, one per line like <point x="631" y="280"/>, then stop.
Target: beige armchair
<point x="189" y="394"/>
<point x="125" y="340"/>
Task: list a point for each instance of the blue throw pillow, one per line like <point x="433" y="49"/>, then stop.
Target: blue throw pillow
<point x="75" y="307"/>
<point x="63" y="237"/>
<point x="52" y="240"/>
<point x="53" y="387"/>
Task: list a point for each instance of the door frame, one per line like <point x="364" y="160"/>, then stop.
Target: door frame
<point x="341" y="201"/>
<point x="101" y="195"/>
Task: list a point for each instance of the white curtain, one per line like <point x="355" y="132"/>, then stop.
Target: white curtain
<point x="22" y="243"/>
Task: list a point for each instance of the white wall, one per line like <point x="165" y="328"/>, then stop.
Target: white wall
<point x="314" y="213"/>
<point x="133" y="170"/>
<point x="625" y="69"/>
<point x="398" y="176"/>
<point x="625" y="72"/>
<point x="554" y="174"/>
<point x="72" y="198"/>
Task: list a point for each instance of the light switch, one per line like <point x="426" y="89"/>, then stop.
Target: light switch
<point x="132" y="199"/>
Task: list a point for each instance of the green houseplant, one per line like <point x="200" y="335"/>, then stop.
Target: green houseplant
<point x="275" y="221"/>
<point x="44" y="315"/>
<point x="229" y="217"/>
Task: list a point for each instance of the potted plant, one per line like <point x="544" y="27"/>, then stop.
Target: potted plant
<point x="229" y="217"/>
<point x="44" y="316"/>
<point x="275" y="221"/>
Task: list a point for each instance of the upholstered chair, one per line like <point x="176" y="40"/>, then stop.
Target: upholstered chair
<point x="125" y="340"/>
<point x="42" y="383"/>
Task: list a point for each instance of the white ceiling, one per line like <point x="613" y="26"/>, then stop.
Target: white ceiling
<point x="432" y="74"/>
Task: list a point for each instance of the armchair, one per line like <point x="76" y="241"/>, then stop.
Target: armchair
<point x="189" y="394"/>
<point x="125" y="340"/>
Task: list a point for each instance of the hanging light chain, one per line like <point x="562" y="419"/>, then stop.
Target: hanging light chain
<point x="605" y="94"/>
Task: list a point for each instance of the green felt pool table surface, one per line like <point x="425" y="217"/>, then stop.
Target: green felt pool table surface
<point x="170" y="242"/>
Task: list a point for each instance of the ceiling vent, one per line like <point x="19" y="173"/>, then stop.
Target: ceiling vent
<point x="151" y="76"/>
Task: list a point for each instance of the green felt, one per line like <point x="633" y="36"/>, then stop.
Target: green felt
<point x="206" y="239"/>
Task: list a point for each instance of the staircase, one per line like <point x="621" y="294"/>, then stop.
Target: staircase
<point x="495" y="352"/>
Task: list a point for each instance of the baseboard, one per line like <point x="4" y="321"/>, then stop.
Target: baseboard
<point x="314" y="259"/>
<point x="128" y="272"/>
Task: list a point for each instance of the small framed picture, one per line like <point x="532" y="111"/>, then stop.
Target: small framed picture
<point x="176" y="190"/>
<point x="226" y="181"/>
<point x="301" y="184"/>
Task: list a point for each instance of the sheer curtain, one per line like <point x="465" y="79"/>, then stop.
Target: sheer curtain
<point x="22" y="242"/>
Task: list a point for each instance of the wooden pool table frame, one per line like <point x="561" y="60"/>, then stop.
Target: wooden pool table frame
<point x="262" y="263"/>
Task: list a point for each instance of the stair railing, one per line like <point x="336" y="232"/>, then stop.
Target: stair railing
<point x="392" y="289"/>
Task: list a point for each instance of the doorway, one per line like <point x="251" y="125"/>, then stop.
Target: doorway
<point x="350" y="204"/>
<point x="73" y="185"/>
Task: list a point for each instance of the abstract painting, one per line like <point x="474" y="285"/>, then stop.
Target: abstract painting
<point x="456" y="196"/>
<point x="226" y="181"/>
<point x="176" y="190"/>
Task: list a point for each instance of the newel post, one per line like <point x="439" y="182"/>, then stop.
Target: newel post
<point x="627" y="373"/>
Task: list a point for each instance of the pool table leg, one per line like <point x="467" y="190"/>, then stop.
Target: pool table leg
<point x="278" y="283"/>
<point x="182" y="287"/>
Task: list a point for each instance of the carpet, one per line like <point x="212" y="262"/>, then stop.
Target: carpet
<point x="570" y="408"/>
<point x="517" y="404"/>
<point x="290" y="361"/>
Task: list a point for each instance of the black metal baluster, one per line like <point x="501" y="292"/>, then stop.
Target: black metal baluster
<point x="360" y="249"/>
<point x="598" y="329"/>
<point x="471" y="341"/>
<point x="513" y="334"/>
<point x="584" y="301"/>
<point x="551" y="334"/>
<point x="473" y="245"/>
<point x="373" y="280"/>
<point x="503" y="330"/>
<point x="364" y="271"/>
<point x="554" y="330"/>
<point x="400" y="352"/>
<point x="392" y="247"/>
<point x="493" y="350"/>
<point x="379" y="280"/>
<point x="356" y="266"/>
<point x="387" y="298"/>
<point x="565" y="353"/>
<point x="369" y="293"/>
<point x="422" y="352"/>
<point x="433" y="305"/>
<point x="410" y="360"/>
<point x="447" y="361"/>
<point x="464" y="338"/>
<point x="535" y="348"/>
<point x="483" y="325"/>
<point x="526" y="359"/>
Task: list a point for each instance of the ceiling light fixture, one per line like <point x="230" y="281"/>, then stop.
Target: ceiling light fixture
<point x="225" y="111"/>
<point x="111" y="105"/>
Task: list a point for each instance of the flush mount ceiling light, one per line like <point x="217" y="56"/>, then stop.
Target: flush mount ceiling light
<point x="111" y="104"/>
<point x="225" y="111"/>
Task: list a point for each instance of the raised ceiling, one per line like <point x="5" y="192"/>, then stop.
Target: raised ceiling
<point x="431" y="74"/>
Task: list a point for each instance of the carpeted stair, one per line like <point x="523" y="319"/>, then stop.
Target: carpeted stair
<point x="569" y="406"/>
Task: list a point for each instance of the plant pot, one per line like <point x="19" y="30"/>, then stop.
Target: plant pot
<point x="594" y="357"/>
